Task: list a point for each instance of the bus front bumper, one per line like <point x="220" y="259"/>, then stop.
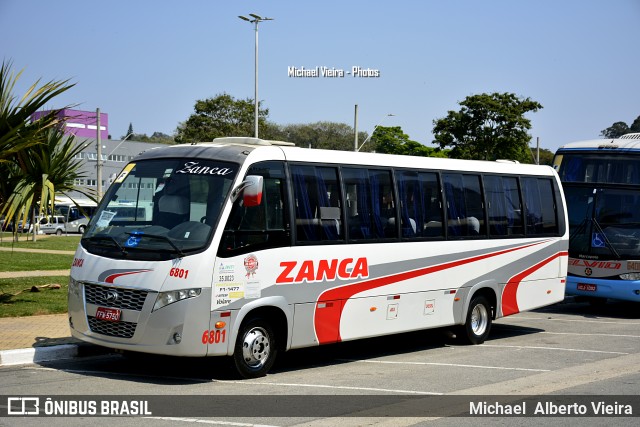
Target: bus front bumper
<point x="175" y="329"/>
<point x="626" y="290"/>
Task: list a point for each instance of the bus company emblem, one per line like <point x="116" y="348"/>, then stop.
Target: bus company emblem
<point x="251" y="265"/>
<point x="194" y="168"/>
<point x="317" y="271"/>
<point x="588" y="271"/>
<point x="609" y="265"/>
<point x="111" y="296"/>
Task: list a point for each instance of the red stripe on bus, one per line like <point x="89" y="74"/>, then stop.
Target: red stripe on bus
<point x="327" y="322"/>
<point x="113" y="277"/>
<point x="509" y="300"/>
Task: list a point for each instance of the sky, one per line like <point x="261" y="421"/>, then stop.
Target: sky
<point x="147" y="62"/>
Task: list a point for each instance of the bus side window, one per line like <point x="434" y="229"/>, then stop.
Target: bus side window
<point x="432" y="205"/>
<point x="317" y="203"/>
<point x="540" y="206"/>
<point x="264" y="226"/>
<point x="465" y="212"/>
<point x="370" y="203"/>
<point x="503" y="205"/>
<point x="410" y="199"/>
<point x="420" y="204"/>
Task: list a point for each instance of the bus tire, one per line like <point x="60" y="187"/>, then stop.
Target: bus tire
<point x="255" y="349"/>
<point x="478" y="323"/>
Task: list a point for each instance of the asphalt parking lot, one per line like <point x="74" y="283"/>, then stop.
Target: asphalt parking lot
<point x="569" y="349"/>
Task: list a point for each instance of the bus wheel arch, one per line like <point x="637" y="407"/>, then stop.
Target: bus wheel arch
<point x="261" y="336"/>
<point x="478" y="318"/>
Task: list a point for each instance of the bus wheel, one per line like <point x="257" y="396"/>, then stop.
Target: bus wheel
<point x="255" y="350"/>
<point x="478" y="324"/>
<point x="81" y="229"/>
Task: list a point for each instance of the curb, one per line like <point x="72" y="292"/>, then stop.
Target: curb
<point x="26" y="356"/>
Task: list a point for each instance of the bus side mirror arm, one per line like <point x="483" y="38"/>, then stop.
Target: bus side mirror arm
<point x="251" y="189"/>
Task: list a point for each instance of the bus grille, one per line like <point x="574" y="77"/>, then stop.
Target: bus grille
<point x="126" y="299"/>
<point x="112" y="329"/>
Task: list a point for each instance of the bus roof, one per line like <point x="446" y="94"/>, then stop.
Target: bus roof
<point x="630" y="141"/>
<point x="237" y="149"/>
<point x="64" y="200"/>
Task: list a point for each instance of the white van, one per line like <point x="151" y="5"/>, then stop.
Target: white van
<point x="52" y="225"/>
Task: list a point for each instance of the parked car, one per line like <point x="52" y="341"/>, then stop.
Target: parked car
<point x="53" y="225"/>
<point x="49" y="225"/>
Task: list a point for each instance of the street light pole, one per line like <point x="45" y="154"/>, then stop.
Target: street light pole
<point x="355" y="129"/>
<point x="99" y="154"/>
<point x="374" y="129"/>
<point x="256" y="20"/>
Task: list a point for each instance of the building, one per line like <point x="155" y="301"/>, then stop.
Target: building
<point x="115" y="153"/>
<point x="82" y="124"/>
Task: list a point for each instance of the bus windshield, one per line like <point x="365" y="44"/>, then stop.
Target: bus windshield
<point x="601" y="167"/>
<point x="160" y="209"/>
<point x="603" y="221"/>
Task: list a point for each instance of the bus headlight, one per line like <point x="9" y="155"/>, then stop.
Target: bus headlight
<point x="74" y="287"/>
<point x="166" y="298"/>
<point x="630" y="276"/>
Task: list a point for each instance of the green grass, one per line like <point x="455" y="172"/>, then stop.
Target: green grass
<point x="26" y="261"/>
<point x="47" y="301"/>
<point x="59" y="243"/>
<point x="27" y="303"/>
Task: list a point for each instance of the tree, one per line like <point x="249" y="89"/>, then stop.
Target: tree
<point x="392" y="140"/>
<point x="221" y="116"/>
<point x="44" y="169"/>
<point x="17" y="130"/>
<point x="322" y="135"/>
<point x="156" y="137"/>
<point x="34" y="158"/>
<point x="546" y="156"/>
<point x="487" y="127"/>
<point x="129" y="131"/>
<point x="616" y="130"/>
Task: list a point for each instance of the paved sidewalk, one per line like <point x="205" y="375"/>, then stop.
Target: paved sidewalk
<point x="40" y="251"/>
<point x="33" y="273"/>
<point x="34" y="339"/>
<point x="34" y="331"/>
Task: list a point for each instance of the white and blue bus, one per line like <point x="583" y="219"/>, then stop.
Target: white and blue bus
<point x="77" y="212"/>
<point x="601" y="181"/>
<point x="249" y="247"/>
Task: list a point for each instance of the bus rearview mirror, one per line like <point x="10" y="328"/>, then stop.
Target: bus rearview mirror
<point x="251" y="189"/>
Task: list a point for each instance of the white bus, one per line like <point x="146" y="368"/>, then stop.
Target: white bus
<point x="77" y="212"/>
<point x="254" y="247"/>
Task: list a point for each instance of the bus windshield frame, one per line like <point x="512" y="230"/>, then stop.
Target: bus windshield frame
<point x="160" y="209"/>
<point x="604" y="167"/>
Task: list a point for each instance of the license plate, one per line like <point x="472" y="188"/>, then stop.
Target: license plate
<point x="587" y="287"/>
<point x="108" y="314"/>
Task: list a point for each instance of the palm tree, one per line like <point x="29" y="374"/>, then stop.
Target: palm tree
<point x="45" y="169"/>
<point x="17" y="131"/>
<point x="19" y="134"/>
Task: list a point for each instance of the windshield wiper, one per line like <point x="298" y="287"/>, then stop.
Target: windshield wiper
<point x="109" y="238"/>
<point x="158" y="237"/>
